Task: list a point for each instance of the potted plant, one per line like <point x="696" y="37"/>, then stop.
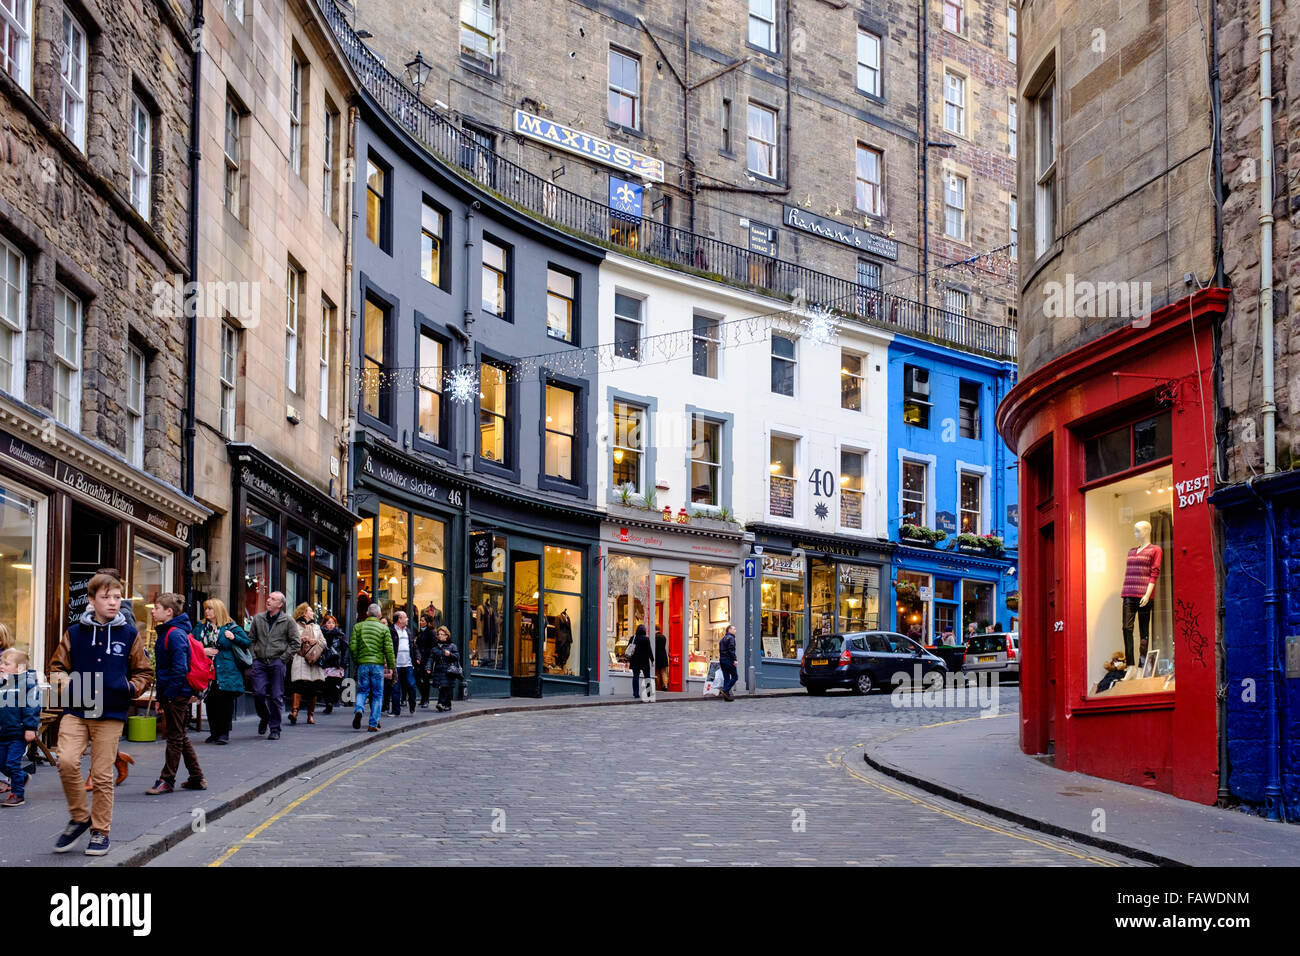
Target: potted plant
<point x="978" y="542"/>
<point x="919" y="532"/>
<point x="906" y="591"/>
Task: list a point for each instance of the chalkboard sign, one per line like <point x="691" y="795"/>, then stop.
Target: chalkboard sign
<point x="480" y="552"/>
<point x="782" y="497"/>
<point x="78" y="594"/>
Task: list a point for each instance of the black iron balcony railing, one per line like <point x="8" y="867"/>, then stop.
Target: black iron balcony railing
<point x="645" y="238"/>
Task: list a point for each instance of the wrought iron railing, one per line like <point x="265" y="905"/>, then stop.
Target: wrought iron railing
<point x="645" y="238"/>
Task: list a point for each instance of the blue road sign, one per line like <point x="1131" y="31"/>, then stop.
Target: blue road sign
<point x="751" y="567"/>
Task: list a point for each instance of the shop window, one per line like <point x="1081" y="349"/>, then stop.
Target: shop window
<point x="781" y="480"/>
<point x="945" y="610"/>
<point x="561" y="302"/>
<point x="706" y="461"/>
<point x="562" y="608"/>
<point x="431" y="412"/>
<point x="912" y="601"/>
<point x="428" y="566"/>
<point x="628" y="447"/>
<point x="783" y="632"/>
<point x="977" y="605"/>
<point x="969" y="424"/>
<point x="915" y="506"/>
<point x="494" y="412"/>
<point x="259" y="580"/>
<point x="1130" y="584"/>
<point x="259" y="523"/>
<point x="916" y="396"/>
<point x="627" y="326"/>
<point x="852" y="485"/>
<point x="393" y="532"/>
<point x="859" y="597"/>
<point x="850" y="381"/>
<point x="151" y="575"/>
<point x="561" y="432"/>
<point x="23" y="533"/>
<point x="324" y="594"/>
<point x="705" y="343"/>
<point x="972" y="503"/>
<point x="711" y="612"/>
<point x="325" y="558"/>
<point x="365" y="563"/>
<point x="629" y="589"/>
<point x="295" y="542"/>
<point x="487" y="595"/>
<point x="821" y="596"/>
<point x="783" y="365"/>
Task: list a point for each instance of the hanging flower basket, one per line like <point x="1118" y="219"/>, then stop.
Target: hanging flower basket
<point x="920" y="533"/>
<point x="979" y="543"/>
<point x="906" y="591"/>
<point x="1013" y="601"/>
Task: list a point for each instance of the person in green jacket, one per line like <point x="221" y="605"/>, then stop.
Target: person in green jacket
<point x="221" y="635"/>
<point x="372" y="650"/>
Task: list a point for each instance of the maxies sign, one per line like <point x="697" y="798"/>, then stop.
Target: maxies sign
<point x="592" y="147"/>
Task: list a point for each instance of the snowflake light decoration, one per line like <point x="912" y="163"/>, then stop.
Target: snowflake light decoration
<point x="821" y="511"/>
<point x="462" y="384"/>
<point x="820" y="327"/>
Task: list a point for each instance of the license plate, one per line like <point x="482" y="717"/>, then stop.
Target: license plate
<point x="817" y="661"/>
<point x="987" y="660"/>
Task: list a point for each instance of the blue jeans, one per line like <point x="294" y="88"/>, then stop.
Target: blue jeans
<point x="267" y="678"/>
<point x="404" y="689"/>
<point x="370" y="683"/>
<point x="12" y="753"/>
<point x="729" y="672"/>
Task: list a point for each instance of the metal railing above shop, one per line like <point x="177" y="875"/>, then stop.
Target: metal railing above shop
<point x="702" y="255"/>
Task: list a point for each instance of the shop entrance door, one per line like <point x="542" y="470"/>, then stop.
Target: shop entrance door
<point x="526" y="632"/>
<point x="1046" y="627"/>
<point x="669" y="621"/>
<point x="92" y="544"/>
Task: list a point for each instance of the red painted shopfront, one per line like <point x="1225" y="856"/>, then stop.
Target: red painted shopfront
<point x="1117" y="552"/>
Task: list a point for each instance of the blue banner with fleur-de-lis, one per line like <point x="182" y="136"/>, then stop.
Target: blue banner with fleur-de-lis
<point x="625" y="197"/>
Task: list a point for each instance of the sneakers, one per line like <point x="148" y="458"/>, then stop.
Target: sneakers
<point x="70" y="835"/>
<point x="160" y="786"/>
<point x="262" y="725"/>
<point x="356" y="720"/>
<point x="193" y="784"/>
<point x="273" y="735"/>
<point x="98" y="843"/>
<point x="12" y="800"/>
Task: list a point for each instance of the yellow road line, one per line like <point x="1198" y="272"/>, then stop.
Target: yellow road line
<point x="252" y="835"/>
<point x="836" y="756"/>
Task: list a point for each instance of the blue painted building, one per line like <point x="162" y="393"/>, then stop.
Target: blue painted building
<point x="1261" y="611"/>
<point x="950" y="472"/>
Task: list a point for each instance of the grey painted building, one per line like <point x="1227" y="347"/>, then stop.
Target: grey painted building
<point x="452" y="286"/>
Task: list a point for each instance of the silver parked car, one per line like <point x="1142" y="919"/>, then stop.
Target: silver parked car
<point x="994" y="652"/>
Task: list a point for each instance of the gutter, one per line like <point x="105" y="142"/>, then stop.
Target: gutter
<point x="1266" y="228"/>
<point x="191" y="345"/>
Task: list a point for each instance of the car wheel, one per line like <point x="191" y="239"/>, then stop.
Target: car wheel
<point x="816" y="691"/>
<point x="862" y="683"/>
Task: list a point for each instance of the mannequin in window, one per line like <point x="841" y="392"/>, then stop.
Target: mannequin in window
<point x="1141" y="571"/>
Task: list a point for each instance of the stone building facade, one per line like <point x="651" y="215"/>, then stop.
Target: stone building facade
<point x="834" y="91"/>
<point x="274" y="212"/>
<point x="94" y="203"/>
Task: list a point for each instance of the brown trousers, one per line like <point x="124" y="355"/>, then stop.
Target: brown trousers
<point x="103" y="736"/>
<point x="177" y="712"/>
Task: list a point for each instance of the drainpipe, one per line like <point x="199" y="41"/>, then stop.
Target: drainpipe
<point x="349" y="408"/>
<point x="1273" y="799"/>
<point x="466" y="340"/>
<point x="1266" y="225"/>
<point x="923" y="69"/>
<point x="191" y="346"/>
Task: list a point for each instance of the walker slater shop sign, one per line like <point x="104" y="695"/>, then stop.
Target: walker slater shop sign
<point x="592" y="147"/>
<point x="91" y="488"/>
<point x="409" y="483"/>
<point x="797" y="218"/>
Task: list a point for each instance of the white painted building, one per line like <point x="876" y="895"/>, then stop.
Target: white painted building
<point x="718" y="405"/>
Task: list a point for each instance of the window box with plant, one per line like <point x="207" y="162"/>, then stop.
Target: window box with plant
<point x="918" y="532"/>
<point x="983" y="543"/>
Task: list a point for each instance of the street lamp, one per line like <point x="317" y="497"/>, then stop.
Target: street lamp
<point x="417" y="72"/>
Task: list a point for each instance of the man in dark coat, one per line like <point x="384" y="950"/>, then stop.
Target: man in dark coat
<point x="661" y="660"/>
<point x="727" y="656"/>
<point x="640" y="657"/>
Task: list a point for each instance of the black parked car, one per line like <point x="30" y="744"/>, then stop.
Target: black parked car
<point x="863" y="660"/>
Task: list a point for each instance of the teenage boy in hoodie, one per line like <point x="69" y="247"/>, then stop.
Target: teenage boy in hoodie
<point x="172" y="661"/>
<point x="20" y="718"/>
<point x="100" y="651"/>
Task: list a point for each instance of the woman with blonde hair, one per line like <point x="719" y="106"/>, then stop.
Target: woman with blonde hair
<point x="6" y="637"/>
<point x="306" y="676"/>
<point x="226" y="643"/>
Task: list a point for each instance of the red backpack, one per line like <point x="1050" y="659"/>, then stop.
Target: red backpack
<point x="201" y="671"/>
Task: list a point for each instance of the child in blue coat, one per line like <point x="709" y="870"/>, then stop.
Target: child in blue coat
<point x="20" y="718"/>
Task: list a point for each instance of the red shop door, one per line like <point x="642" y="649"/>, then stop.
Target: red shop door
<point x="676" y="634"/>
<point x="1052" y="641"/>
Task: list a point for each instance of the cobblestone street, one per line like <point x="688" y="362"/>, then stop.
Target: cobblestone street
<point x="780" y="781"/>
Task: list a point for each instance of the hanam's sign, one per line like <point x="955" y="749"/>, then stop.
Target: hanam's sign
<point x="882" y="246"/>
<point x="592" y="147"/>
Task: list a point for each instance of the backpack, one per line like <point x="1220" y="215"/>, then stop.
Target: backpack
<point x="201" y="671"/>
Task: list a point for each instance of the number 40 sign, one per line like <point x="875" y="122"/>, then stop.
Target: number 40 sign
<point x="823" y="482"/>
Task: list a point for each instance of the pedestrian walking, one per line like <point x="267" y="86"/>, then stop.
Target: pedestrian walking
<point x="20" y="718"/>
<point x="275" y="642"/>
<point x="446" y="668"/>
<point x="727" y="658"/>
<point x="661" y="660"/>
<point x="227" y="644"/>
<point x="101" y="645"/>
<point x="372" y="650"/>
<point x="640" y="658"/>
<point x="405" y="657"/>
<point x="335" y="660"/>
<point x="424" y="641"/>
<point x="306" y="676"/>
<point x="172" y="662"/>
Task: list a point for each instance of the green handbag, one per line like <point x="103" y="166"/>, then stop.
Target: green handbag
<point x="243" y="656"/>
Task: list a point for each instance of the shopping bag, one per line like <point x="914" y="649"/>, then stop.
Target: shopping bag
<point x="713" y="682"/>
<point x="647" y="690"/>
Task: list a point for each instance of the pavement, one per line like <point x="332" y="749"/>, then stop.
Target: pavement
<point x="978" y="763"/>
